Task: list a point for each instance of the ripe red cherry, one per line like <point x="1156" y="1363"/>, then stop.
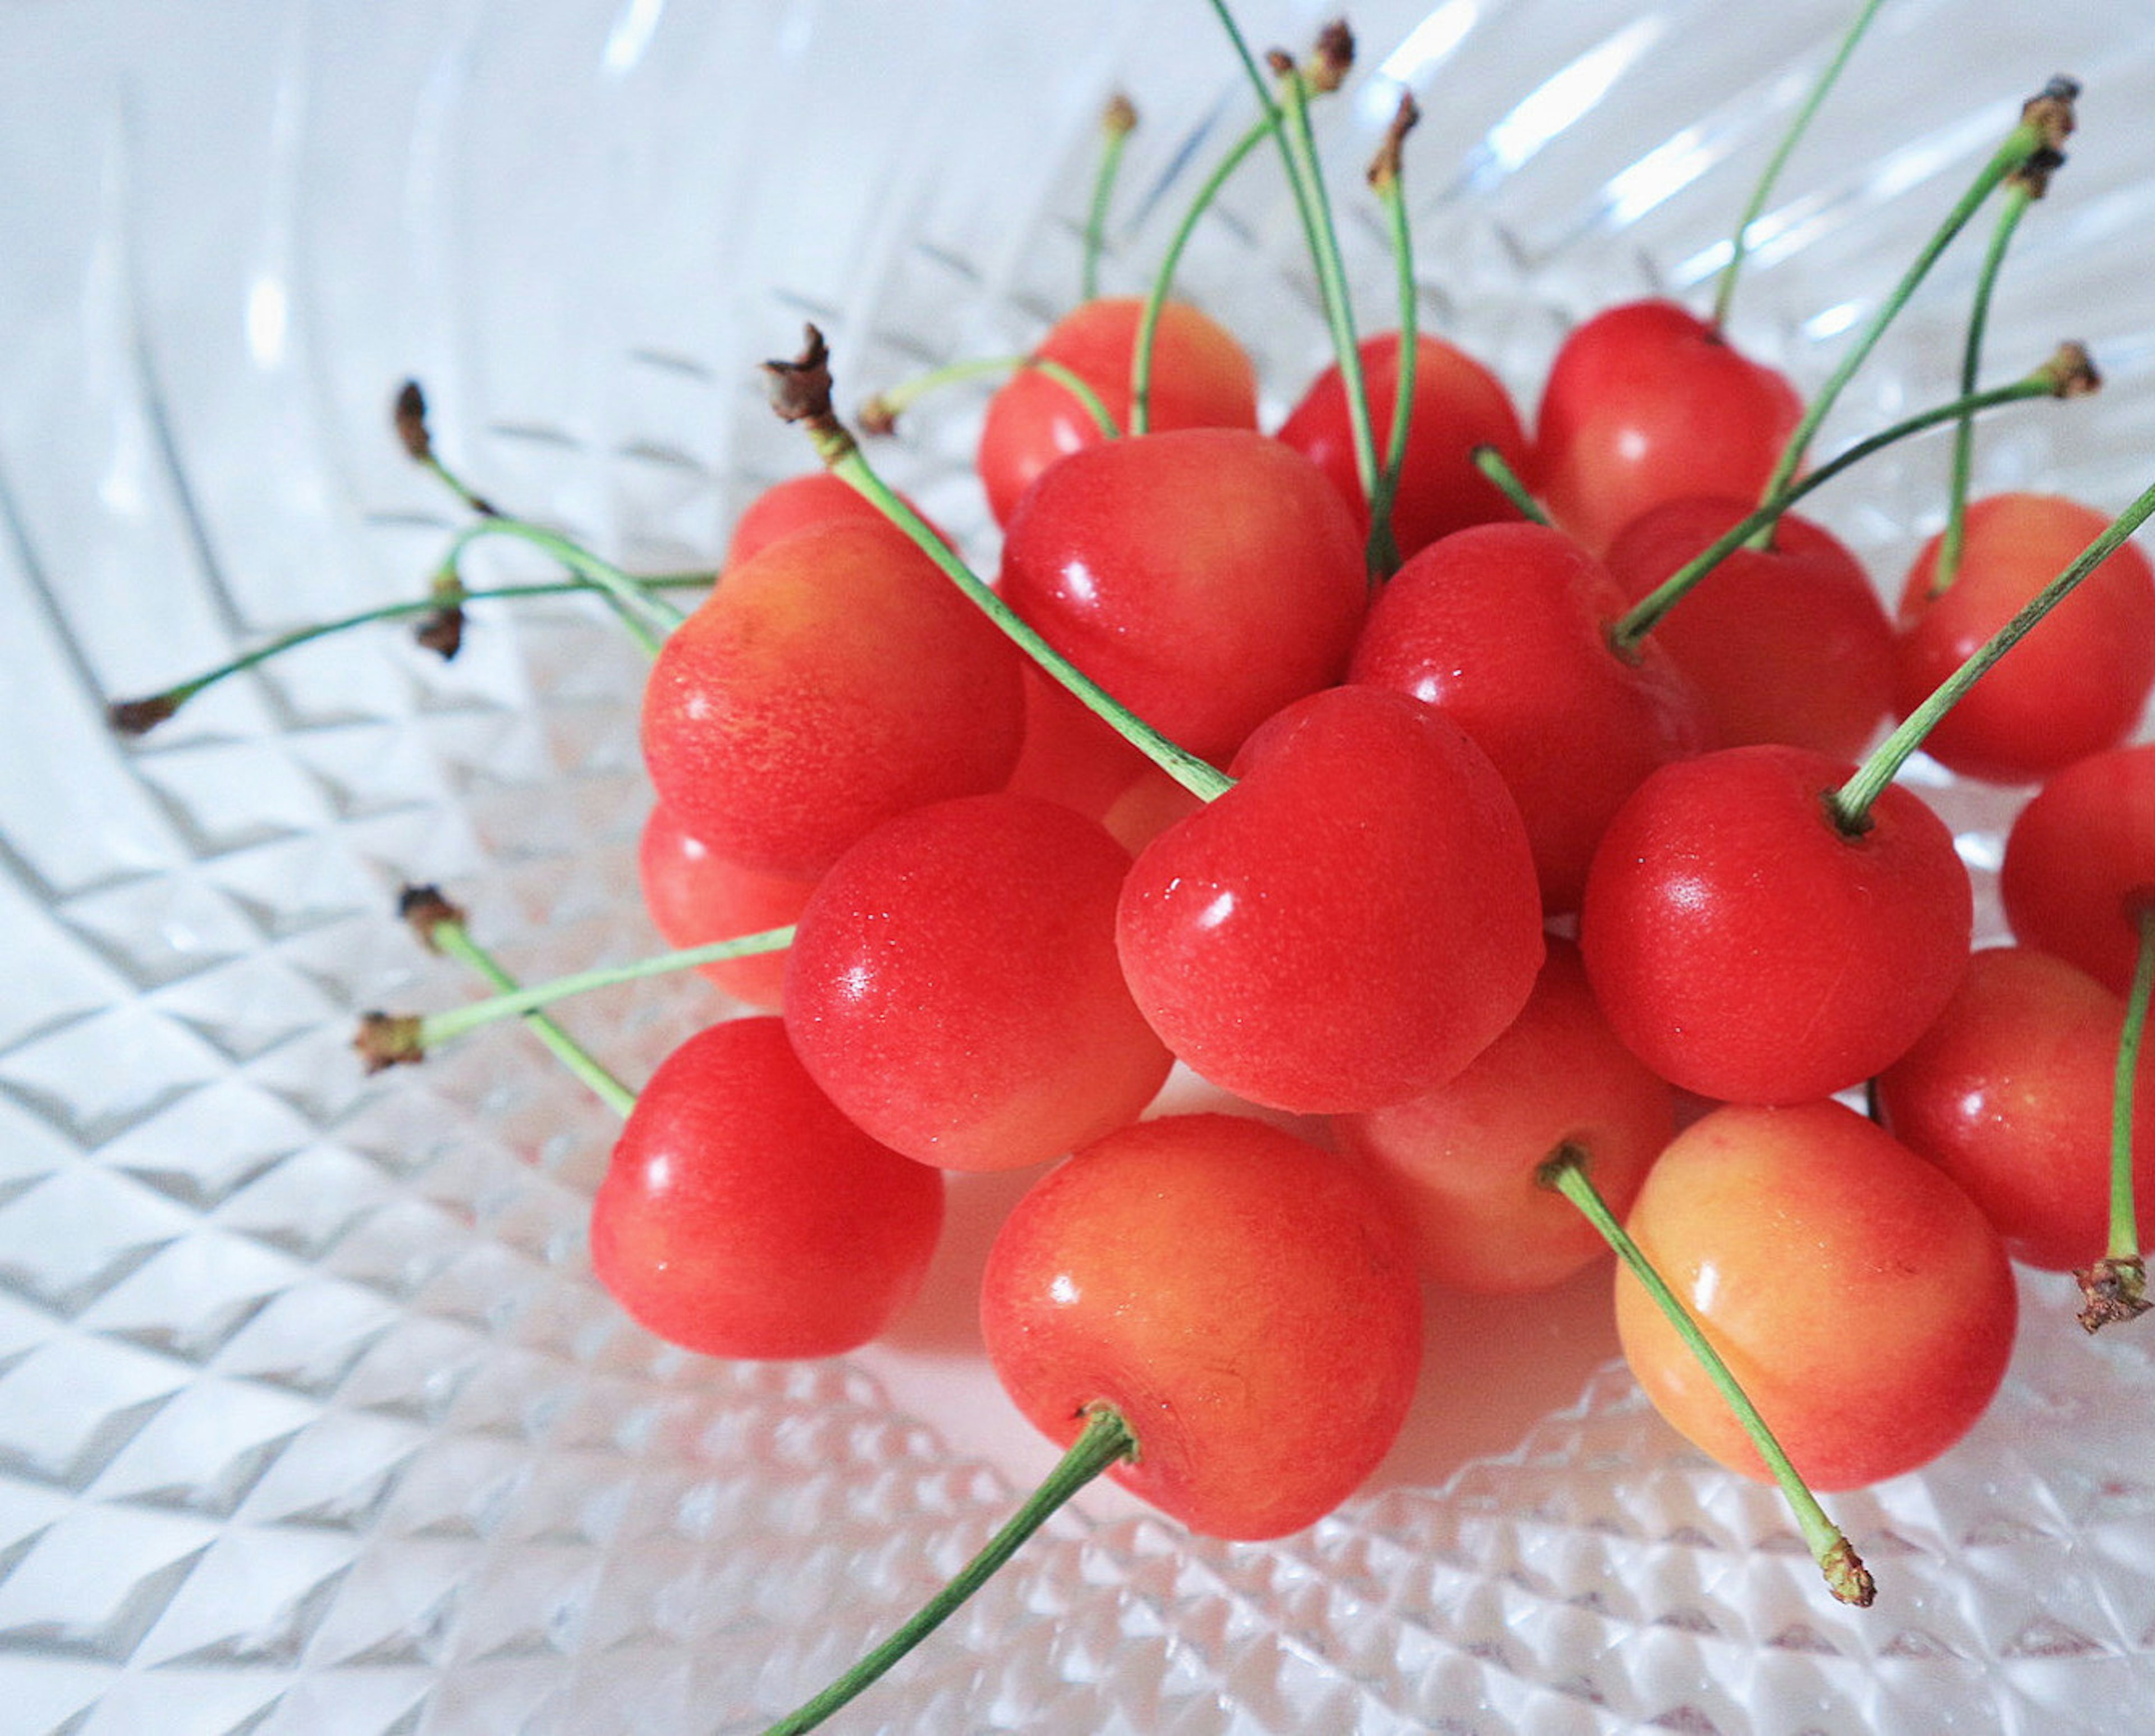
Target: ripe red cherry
<point x="1458" y="405"/>
<point x="2075" y="686"/>
<point x="1463" y="1160"/>
<point x="1745" y="948"/>
<point x="2081" y="861"/>
<point x="1787" y="644"/>
<point x="1071" y="754"/>
<point x="1645" y="402"/>
<point x="1204" y="577"/>
<point x="953" y="984"/>
<point x="2010" y="1093"/>
<point x="1863" y="1302"/>
<point x="744" y="1215"/>
<point x="1349" y="926"/>
<point x="1201" y="379"/>
<point x="695" y="896"/>
<point x="835" y="679"/>
<point x="1242" y="1297"/>
<point x="799" y="503"/>
<point x="1504" y="629"/>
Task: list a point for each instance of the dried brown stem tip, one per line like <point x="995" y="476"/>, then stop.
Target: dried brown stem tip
<point x="425" y="908"/>
<point x="1280" y="61"/>
<point x="1846" y="1576"/>
<point x="876" y="417"/>
<point x="2072" y="371"/>
<point x="1119" y="119"/>
<point x="801" y="389"/>
<point x="411" y="419"/>
<point x="1334" y="57"/>
<point x="2051" y="108"/>
<point x="2114" y="1291"/>
<point x="138" y="717"/>
<point x="1385" y="167"/>
<point x="442" y="632"/>
<point x="387" y="1040"/>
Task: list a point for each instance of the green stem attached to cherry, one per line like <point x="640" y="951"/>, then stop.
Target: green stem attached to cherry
<point x="2115" y="1287"/>
<point x="879" y="414"/>
<point x="1383" y="554"/>
<point x="1118" y="121"/>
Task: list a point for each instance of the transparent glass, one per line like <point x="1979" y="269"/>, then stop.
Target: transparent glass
<point x="311" y="1418"/>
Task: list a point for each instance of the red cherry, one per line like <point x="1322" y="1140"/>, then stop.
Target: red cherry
<point x="1349" y="926"/>
<point x="2075" y="686"/>
<point x="953" y="984"/>
<point x="1205" y="578"/>
<point x="2010" y="1093"/>
<point x="1863" y="1302"/>
<point x="833" y="681"/>
<point x="1242" y="1298"/>
<point x="1201" y="379"/>
<point x="799" y="503"/>
<point x="2081" y="861"/>
<point x="1745" y="948"/>
<point x="744" y="1215"/>
<point x="1504" y="629"/>
<point x="696" y="896"/>
<point x="1464" y="1159"/>
<point x="1646" y="402"/>
<point x="1787" y="644"/>
<point x="1458" y="405"/>
<point x="1071" y="754"/>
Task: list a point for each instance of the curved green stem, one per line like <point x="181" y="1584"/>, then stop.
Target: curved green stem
<point x="2019" y="195"/>
<point x="1798" y="124"/>
<point x="1851" y="802"/>
<point x="648" y="618"/>
<point x="1382" y="554"/>
<point x="1491" y="464"/>
<point x="1115" y="126"/>
<point x="881" y="413"/>
<point x="1105" y="1440"/>
<point x="450" y="936"/>
<point x="2115" y="1286"/>
<point x="1845" y="1575"/>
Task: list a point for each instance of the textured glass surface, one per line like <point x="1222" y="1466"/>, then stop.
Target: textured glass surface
<point x="312" y="1422"/>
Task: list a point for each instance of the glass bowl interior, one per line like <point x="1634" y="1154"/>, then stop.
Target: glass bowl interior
<point x="311" y="1417"/>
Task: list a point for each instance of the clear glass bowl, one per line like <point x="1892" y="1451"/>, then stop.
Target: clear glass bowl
<point x="311" y="1418"/>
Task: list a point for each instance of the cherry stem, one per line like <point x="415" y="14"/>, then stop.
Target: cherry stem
<point x="1845" y="1575"/>
<point x="879" y="414"/>
<point x="2045" y="122"/>
<point x="2019" y="193"/>
<point x="648" y="618"/>
<point x="136" y="717"/>
<point x="1164" y="279"/>
<point x="1382" y="554"/>
<point x="441" y="925"/>
<point x="1798" y="124"/>
<point x="2067" y="374"/>
<point x="1492" y="464"/>
<point x="1104" y="1441"/>
<point x="2115" y="1287"/>
<point x="409" y="417"/>
<point x="1850" y="804"/>
<point x="1117" y="123"/>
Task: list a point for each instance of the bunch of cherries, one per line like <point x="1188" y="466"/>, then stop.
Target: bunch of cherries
<point x="1491" y="796"/>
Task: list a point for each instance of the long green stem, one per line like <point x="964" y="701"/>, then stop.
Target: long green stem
<point x="2019" y="194"/>
<point x="1845" y="1575"/>
<point x="2115" y="1287"/>
<point x="648" y="618"/>
<point x="1382" y="553"/>
<point x="879" y="414"/>
<point x="1851" y="802"/>
<point x="1491" y="464"/>
<point x="1104" y="1441"/>
<point x="1116" y="124"/>
<point x="1798" y="124"/>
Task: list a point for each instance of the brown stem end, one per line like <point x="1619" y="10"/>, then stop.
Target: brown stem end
<point x="801" y="391"/>
<point x="425" y="908"/>
<point x="387" y="1040"/>
<point x="410" y="416"/>
<point x="1846" y="1576"/>
<point x="876" y="416"/>
<point x="2050" y="110"/>
<point x="2113" y="1290"/>
<point x="2072" y="372"/>
<point x="1120" y="119"/>
<point x="1334" y="57"/>
<point x="138" y="717"/>
<point x="1385" y="167"/>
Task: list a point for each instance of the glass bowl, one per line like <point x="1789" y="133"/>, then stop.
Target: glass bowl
<point x="311" y="1417"/>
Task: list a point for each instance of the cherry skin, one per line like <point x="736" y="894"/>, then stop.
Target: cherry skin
<point x="1464" y="1159"/>
<point x="1351" y="923"/>
<point x="1244" y="1300"/>
<point x="1645" y="402"/>
<point x="1860" y="1298"/>
<point x="835" y="679"/>
<point x="1747" y="949"/>
<point x="953" y="984"/>
<point x="799" y="503"/>
<point x="696" y="896"/>
<point x="743" y="1216"/>
<point x="1201" y="379"/>
<point x="1458" y="406"/>
<point x="2010" y="1093"/>
<point x="1071" y="754"/>
<point x="2075" y="686"/>
<point x="2079" y="861"/>
<point x="1504" y="629"/>
<point x="1787" y="644"/>
<point x="1205" y="577"/>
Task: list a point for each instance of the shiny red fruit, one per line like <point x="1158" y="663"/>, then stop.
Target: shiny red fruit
<point x="2079" y="863"/>
<point x="696" y="896"/>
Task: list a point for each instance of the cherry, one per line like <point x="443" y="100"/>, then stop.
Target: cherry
<point x="743" y="1216"/>
<point x="1200" y="378"/>
<point x="2079" y="860"/>
<point x="1465" y="1159"/>
<point x="1071" y="754"/>
<point x="834" y="681"/>
<point x="1864" y="1304"/>
<point x="1205" y="577"/>
<point x="1505" y="629"/>
<point x="695" y="895"/>
<point x="2074" y="687"/>
<point x="1646" y="402"/>
<point x="1243" y="1300"/>
<point x="799" y="503"/>
<point x="1747" y="947"/>
<point x="2010" y="1093"/>
<point x="1351" y="923"/>
<point x="1458" y="405"/>
<point x="1787" y="643"/>
<point x="953" y="984"/>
